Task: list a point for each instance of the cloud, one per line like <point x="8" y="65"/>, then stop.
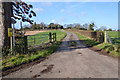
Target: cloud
<point x="39" y="9"/>
<point x="59" y="23"/>
<point x="62" y="10"/>
<point x="53" y="21"/>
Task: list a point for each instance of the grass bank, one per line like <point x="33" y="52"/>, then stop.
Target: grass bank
<point x="112" y="50"/>
<point x="20" y="59"/>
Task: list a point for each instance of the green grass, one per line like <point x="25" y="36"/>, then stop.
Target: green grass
<point x="38" y="37"/>
<point x="113" y="34"/>
<point x="115" y="37"/>
<point x="19" y="59"/>
<point x="87" y="41"/>
<point x="114" y="50"/>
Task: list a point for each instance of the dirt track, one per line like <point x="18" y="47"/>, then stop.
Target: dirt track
<point x="71" y="62"/>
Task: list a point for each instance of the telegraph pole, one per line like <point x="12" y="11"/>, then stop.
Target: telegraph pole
<point x="13" y="22"/>
<point x="21" y="38"/>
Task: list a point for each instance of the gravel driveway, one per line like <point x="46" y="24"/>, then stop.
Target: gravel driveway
<point x="71" y="62"/>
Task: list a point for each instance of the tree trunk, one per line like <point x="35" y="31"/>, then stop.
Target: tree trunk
<point x="5" y="23"/>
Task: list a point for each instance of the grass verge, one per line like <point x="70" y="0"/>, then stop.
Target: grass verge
<point x="89" y="42"/>
<point x="20" y="59"/>
<point x="113" y="50"/>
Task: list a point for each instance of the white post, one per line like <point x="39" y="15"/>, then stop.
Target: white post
<point x="48" y="40"/>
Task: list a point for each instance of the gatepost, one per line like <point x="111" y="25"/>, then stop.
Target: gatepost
<point x="105" y="37"/>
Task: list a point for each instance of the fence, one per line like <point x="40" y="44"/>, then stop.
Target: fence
<point x="33" y="41"/>
<point x="39" y="39"/>
<point x="112" y="37"/>
<point x="97" y="36"/>
<point x="20" y="46"/>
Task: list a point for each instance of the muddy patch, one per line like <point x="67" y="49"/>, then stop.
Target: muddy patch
<point x="59" y="71"/>
<point x="102" y="52"/>
<point x="79" y="53"/>
<point x="48" y="69"/>
<point x="30" y="71"/>
<point x="36" y="76"/>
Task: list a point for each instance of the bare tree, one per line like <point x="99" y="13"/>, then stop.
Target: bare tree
<point x="17" y="10"/>
<point x="22" y="11"/>
<point x="42" y="25"/>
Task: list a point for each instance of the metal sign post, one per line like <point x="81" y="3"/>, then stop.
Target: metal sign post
<point x="21" y="38"/>
<point x="13" y="22"/>
<point x="13" y="39"/>
<point x="42" y="39"/>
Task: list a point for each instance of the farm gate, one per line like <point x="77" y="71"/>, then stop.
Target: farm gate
<point x="33" y="41"/>
<point x="112" y="37"/>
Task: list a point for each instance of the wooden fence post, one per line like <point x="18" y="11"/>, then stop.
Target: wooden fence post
<point x="34" y="39"/>
<point x="50" y="37"/>
<point x="55" y="36"/>
<point x="42" y="40"/>
<point x="26" y="44"/>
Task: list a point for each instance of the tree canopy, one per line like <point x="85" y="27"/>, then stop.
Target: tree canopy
<point x="22" y="11"/>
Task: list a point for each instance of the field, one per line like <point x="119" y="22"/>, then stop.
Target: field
<point x="38" y="39"/>
<point x="115" y="37"/>
<point x="43" y="36"/>
<point x="18" y="59"/>
<point x="33" y="32"/>
<point x="113" y="34"/>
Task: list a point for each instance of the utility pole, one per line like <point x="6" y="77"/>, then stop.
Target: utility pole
<point x="21" y="38"/>
<point x="13" y="22"/>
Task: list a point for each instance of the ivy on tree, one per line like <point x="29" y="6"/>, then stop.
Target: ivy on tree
<point x="22" y="11"/>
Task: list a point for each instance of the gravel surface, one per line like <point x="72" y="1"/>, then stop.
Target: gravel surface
<point x="71" y="62"/>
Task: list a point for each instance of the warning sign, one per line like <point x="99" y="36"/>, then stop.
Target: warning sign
<point x="10" y="32"/>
